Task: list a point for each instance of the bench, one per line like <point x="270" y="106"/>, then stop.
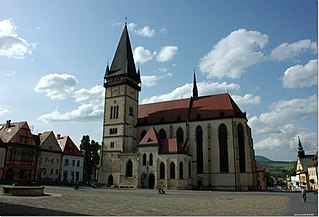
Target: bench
<point x="24" y="190"/>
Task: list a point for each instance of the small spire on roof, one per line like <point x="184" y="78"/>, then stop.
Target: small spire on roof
<point x="195" y="91"/>
<point x="125" y="21"/>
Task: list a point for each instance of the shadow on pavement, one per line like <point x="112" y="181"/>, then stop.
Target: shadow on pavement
<point x="7" y="209"/>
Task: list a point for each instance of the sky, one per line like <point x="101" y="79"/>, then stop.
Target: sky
<point x="53" y="56"/>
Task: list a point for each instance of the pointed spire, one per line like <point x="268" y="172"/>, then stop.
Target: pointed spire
<point x="301" y="152"/>
<point x="195" y="91"/>
<point x="123" y="62"/>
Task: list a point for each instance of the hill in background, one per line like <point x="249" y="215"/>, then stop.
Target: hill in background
<point x="275" y="168"/>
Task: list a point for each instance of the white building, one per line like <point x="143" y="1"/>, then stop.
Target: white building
<point x="72" y="160"/>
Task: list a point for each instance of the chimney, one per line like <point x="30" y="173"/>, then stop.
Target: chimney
<point x="58" y="136"/>
<point x="8" y="123"/>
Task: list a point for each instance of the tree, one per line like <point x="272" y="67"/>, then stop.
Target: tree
<point x="91" y="157"/>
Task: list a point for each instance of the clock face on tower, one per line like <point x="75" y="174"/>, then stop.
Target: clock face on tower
<point x="115" y="91"/>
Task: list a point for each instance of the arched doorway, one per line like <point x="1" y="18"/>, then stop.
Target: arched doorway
<point x="110" y="180"/>
<point x="9" y="174"/>
<point x="151" y="181"/>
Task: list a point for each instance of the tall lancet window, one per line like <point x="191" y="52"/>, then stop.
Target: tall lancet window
<point x="180" y="135"/>
<point x="199" y="149"/>
<point x="241" y="144"/>
<point x="223" y="149"/>
<point x="129" y="169"/>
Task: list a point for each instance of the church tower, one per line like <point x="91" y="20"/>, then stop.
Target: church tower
<point x="122" y="86"/>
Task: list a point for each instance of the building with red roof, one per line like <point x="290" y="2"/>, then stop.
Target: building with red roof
<point x="72" y="160"/>
<point x="186" y="143"/>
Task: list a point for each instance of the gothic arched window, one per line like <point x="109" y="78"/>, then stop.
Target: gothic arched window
<point x="151" y="159"/>
<point x="241" y="144"/>
<point x="189" y="169"/>
<point x="223" y="149"/>
<point x="144" y="159"/>
<point x="162" y="134"/>
<point x="162" y="170"/>
<point x="180" y="135"/>
<point x="129" y="168"/>
<point x="199" y="149"/>
<point x="181" y="170"/>
<point x="172" y="170"/>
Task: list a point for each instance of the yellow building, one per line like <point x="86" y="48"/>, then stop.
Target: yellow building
<point x="313" y="173"/>
<point x="303" y="162"/>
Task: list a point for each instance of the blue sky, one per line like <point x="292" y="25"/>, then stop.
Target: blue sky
<point x="53" y="56"/>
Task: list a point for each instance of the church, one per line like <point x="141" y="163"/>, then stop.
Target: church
<point x="192" y="143"/>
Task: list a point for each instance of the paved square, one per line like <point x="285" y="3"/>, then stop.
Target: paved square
<point x="106" y="202"/>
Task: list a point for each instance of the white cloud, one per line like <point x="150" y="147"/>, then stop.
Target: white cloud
<point x="142" y="55"/>
<point x="246" y="101"/>
<point x="167" y="53"/>
<point x="149" y="80"/>
<point x="185" y="91"/>
<point x="146" y="31"/>
<point x="286" y="51"/>
<point x="3" y="111"/>
<point x="85" y="112"/>
<point x="277" y="127"/>
<point x="56" y="86"/>
<point x="93" y="95"/>
<point x="231" y="55"/>
<point x="11" y="45"/>
<point x="90" y="108"/>
<point x="163" y="30"/>
<point x="301" y="76"/>
<point x="131" y="26"/>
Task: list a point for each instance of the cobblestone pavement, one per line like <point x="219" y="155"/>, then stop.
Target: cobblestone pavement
<point x="65" y="201"/>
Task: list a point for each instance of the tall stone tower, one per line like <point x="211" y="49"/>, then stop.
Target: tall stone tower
<point x="122" y="86"/>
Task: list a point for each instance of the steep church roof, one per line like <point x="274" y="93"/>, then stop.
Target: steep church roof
<point x="204" y="108"/>
<point x="123" y="61"/>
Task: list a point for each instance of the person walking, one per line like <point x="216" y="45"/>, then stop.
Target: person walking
<point x="304" y="194"/>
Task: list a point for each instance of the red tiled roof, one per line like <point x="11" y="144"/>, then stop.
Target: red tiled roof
<point x="165" y="145"/>
<point x="170" y="146"/>
<point x="13" y="131"/>
<point x="204" y="108"/>
<point x="68" y="147"/>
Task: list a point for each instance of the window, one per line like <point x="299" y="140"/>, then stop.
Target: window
<point x="78" y="163"/>
<point x="131" y="111"/>
<point x="65" y="175"/>
<point x="223" y="149"/>
<point x="181" y="170"/>
<point x="56" y="171"/>
<point x="113" y="131"/>
<point x="241" y="144"/>
<point x="73" y="163"/>
<point x="57" y="161"/>
<point x="51" y="171"/>
<point x="129" y="168"/>
<point x="114" y="112"/>
<point x="199" y="149"/>
<point x="52" y="160"/>
<point x="151" y="159"/>
<point x="162" y="134"/>
<point x="30" y="156"/>
<point x="162" y="170"/>
<point x="24" y="155"/>
<point x="13" y="154"/>
<point x="180" y="135"/>
<point x="189" y="169"/>
<point x="72" y="175"/>
<point x="112" y="144"/>
<point x="144" y="159"/>
<point x="77" y="176"/>
<point x="66" y="162"/>
<point x="172" y="170"/>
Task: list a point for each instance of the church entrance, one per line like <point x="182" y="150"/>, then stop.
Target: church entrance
<point x="151" y="181"/>
<point x="147" y="182"/>
<point x="110" y="180"/>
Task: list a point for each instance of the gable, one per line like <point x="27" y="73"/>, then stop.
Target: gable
<point x="49" y="142"/>
<point x="17" y="132"/>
